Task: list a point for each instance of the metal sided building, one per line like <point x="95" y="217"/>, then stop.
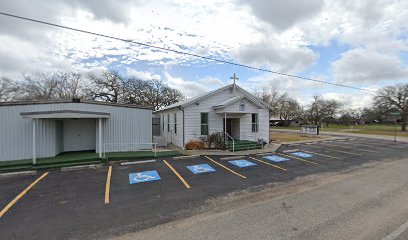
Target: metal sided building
<point x="38" y="129"/>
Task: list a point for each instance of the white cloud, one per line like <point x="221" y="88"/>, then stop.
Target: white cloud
<point x="361" y="65"/>
<point x="276" y="55"/>
<point x="188" y="88"/>
<point x="211" y="82"/>
<point x="284" y="14"/>
<point x="143" y="75"/>
<point x="351" y="100"/>
<point x="274" y="34"/>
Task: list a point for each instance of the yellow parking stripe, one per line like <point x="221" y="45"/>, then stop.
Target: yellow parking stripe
<point x="225" y="167"/>
<point x="334" y="150"/>
<point x="21" y="195"/>
<point x="335" y="145"/>
<point x="324" y="155"/>
<point x="364" y="145"/>
<point x="107" y="188"/>
<point x="270" y="164"/>
<point x="303" y="160"/>
<point x="177" y="174"/>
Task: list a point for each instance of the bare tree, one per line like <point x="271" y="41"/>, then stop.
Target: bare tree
<point x="52" y="85"/>
<point x="394" y="98"/>
<point x="150" y="92"/>
<point x="273" y="98"/>
<point x="289" y="109"/>
<point x="70" y="85"/>
<point x="39" y="86"/>
<point x="8" y="89"/>
<point x="108" y="87"/>
<point x="322" y="110"/>
<point x="349" y="116"/>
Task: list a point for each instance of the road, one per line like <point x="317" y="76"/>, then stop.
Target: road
<point x="369" y="202"/>
<point x="348" y="134"/>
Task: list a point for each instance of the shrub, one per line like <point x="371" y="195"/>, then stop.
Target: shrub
<point x="195" y="145"/>
<point x="215" y="138"/>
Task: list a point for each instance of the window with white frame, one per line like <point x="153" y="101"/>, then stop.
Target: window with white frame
<point x="255" y="122"/>
<point x="204" y="123"/>
<point x="175" y="123"/>
<point x="168" y="122"/>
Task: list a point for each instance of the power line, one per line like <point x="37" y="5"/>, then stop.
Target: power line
<point x="181" y="52"/>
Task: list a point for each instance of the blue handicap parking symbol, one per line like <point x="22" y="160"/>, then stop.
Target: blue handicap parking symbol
<point x="275" y="158"/>
<point x="201" y="168"/>
<point x="140" y="177"/>
<point x="242" y="163"/>
<point x="302" y="154"/>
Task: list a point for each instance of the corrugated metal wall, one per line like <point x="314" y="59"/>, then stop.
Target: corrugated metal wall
<point x="126" y="125"/>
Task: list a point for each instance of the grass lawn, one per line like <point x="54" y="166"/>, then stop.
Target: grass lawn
<point x="290" y="137"/>
<point x="364" y="129"/>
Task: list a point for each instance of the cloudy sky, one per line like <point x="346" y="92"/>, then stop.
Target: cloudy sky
<point x="359" y="43"/>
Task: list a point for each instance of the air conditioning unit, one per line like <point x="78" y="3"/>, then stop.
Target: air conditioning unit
<point x="160" y="140"/>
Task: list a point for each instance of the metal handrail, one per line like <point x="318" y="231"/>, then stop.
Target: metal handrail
<point x="233" y="141"/>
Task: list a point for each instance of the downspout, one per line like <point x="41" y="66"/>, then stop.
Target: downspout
<point x="184" y="132"/>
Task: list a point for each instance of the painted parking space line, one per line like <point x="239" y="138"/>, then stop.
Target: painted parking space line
<point x="296" y="158"/>
<point x="335" y="150"/>
<point x="387" y="145"/>
<point x="226" y="168"/>
<point x="364" y="145"/>
<point x="323" y="155"/>
<point x="270" y="164"/>
<point x="335" y="145"/>
<point x="177" y="174"/>
<point x="107" y="187"/>
<point x="19" y="196"/>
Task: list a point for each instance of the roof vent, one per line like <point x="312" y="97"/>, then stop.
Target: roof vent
<point x="76" y="100"/>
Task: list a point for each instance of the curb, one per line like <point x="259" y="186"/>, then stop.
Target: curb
<point x="136" y="162"/>
<point x="186" y="157"/>
<point x="10" y="174"/>
<point x="93" y="166"/>
<point x="233" y="157"/>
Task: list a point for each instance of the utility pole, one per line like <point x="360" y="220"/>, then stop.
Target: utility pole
<point x="395" y="114"/>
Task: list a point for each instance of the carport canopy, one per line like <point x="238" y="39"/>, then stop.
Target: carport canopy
<point x="64" y="114"/>
<point x="61" y="114"/>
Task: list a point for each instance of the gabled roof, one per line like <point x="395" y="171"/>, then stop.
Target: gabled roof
<point x="35" y="102"/>
<point x="233" y="100"/>
<point x="228" y="102"/>
<point x="192" y="100"/>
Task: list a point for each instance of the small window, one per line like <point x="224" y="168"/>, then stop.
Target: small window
<point x="168" y="122"/>
<point x="175" y="123"/>
<point x="204" y="123"/>
<point x="255" y="122"/>
<point x="162" y="118"/>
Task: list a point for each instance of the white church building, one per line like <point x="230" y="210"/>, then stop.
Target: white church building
<point x="229" y="109"/>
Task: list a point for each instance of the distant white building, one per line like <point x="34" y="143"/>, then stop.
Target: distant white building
<point x="228" y="109"/>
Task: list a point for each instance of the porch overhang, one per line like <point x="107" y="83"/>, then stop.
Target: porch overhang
<point x="61" y="114"/>
<point x="224" y="107"/>
<point x="231" y="112"/>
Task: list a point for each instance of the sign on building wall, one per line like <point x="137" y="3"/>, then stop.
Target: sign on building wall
<point x="309" y="129"/>
<point x="242" y="106"/>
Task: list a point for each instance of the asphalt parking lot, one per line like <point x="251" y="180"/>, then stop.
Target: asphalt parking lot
<point x="88" y="204"/>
